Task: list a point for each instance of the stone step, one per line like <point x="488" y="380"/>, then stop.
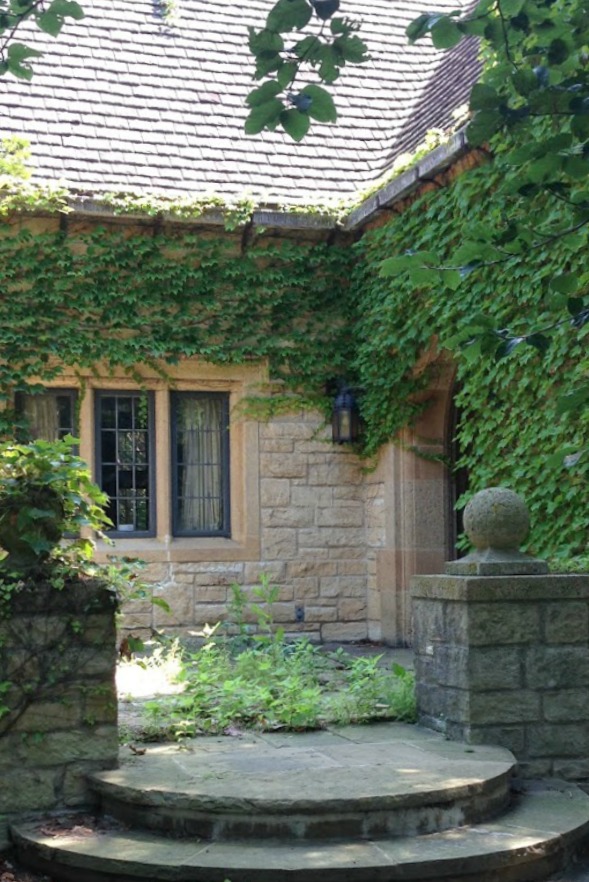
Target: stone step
<point x="353" y="783"/>
<point x="533" y="840"/>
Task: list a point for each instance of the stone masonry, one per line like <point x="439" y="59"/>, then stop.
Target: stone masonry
<point x="321" y="525"/>
<point x="57" y="653"/>
<point x="504" y="659"/>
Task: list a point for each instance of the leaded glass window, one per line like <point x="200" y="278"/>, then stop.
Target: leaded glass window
<point x="124" y="454"/>
<point x="200" y="467"/>
<point x="49" y="415"/>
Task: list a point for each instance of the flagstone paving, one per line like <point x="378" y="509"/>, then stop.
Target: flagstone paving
<point x="375" y="803"/>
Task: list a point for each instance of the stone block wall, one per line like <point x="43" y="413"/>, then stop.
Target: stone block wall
<point x="320" y="526"/>
<point x="505" y="660"/>
<point x="59" y="719"/>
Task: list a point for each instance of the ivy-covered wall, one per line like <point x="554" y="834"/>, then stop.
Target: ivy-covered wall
<point x="92" y="305"/>
<point x="511" y="430"/>
<point x="81" y="293"/>
<point x="126" y="295"/>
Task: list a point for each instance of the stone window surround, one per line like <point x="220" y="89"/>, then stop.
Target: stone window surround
<point x="188" y="376"/>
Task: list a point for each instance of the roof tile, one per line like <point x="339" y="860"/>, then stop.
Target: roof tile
<point x="123" y="101"/>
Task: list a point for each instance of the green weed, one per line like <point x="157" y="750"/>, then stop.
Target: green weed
<point x="251" y="677"/>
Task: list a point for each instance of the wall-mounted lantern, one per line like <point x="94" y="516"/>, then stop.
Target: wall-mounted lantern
<point x="345" y="420"/>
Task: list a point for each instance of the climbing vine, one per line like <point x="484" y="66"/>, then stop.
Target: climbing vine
<point x="513" y="429"/>
<point x="128" y="300"/>
<point x="314" y="312"/>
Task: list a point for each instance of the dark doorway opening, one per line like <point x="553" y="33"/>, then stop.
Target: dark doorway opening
<point x="458" y="478"/>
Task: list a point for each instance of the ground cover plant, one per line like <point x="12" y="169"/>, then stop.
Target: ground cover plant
<point x="250" y="676"/>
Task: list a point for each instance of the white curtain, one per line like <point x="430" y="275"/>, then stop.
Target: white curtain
<point x="41" y="414"/>
<point x="199" y="428"/>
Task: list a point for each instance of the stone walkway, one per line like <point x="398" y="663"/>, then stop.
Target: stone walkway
<point x="306" y="788"/>
<point x="383" y="801"/>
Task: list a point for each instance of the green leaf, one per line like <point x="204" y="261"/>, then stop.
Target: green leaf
<point x="324" y="9"/>
<point x="52" y="19"/>
<point x="541" y="169"/>
<point x="261" y="42"/>
<point x="483" y="126"/>
<point x="424" y="275"/>
<point x="506" y="347"/>
<point x="322" y="107"/>
<point x="263" y="116"/>
<point x="557" y="459"/>
<point x="576" y="167"/>
<point x="483" y="97"/>
<point x="329" y="69"/>
<point x="524" y="81"/>
<point x="352" y="49"/>
<point x="565" y="283"/>
<point x="289" y="15"/>
<point x="67" y="9"/>
<point x="445" y="33"/>
<point x="580" y="126"/>
<point x="472" y="350"/>
<point x="135" y="644"/>
<point x="511" y="7"/>
<point x="286" y="73"/>
<point x="267" y="63"/>
<point x="339" y="26"/>
<point x="419" y="27"/>
<point x="493" y="32"/>
<point x="295" y="123"/>
<point x="16" y="60"/>
<point x="50" y="23"/>
<point x="263" y="94"/>
<point x="540" y="342"/>
<point x="451" y="279"/>
<point x="472" y="27"/>
<point x="576" y="400"/>
<point x="558" y="51"/>
<point x="521" y="154"/>
<point x="469" y="251"/>
<point x="392" y="266"/>
<point x="574" y="305"/>
<point x="310" y="49"/>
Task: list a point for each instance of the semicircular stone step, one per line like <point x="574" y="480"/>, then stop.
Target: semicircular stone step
<point x="532" y="840"/>
<point x="357" y="782"/>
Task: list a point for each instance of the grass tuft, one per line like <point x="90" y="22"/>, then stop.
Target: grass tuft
<point x="242" y="680"/>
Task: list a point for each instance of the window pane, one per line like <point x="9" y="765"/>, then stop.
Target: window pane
<point x="108" y="419"/>
<point x="108" y="441"/>
<point x="201" y="468"/>
<point x="123" y="434"/>
<point x="49" y="415"/>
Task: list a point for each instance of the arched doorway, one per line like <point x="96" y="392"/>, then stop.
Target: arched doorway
<point x="457" y="476"/>
<point x="419" y="491"/>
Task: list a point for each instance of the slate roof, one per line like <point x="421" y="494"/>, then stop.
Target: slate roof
<point x="121" y="101"/>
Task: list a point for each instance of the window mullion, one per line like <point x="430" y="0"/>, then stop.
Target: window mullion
<point x="162" y="459"/>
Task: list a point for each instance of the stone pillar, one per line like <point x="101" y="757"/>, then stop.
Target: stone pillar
<point x="502" y="647"/>
<point x="58" y="703"/>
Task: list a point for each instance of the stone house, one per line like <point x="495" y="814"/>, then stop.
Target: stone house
<point x="127" y="102"/>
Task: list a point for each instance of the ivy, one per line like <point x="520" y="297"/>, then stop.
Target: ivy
<point x="235" y="212"/>
<point x="515" y="429"/>
<point x="131" y="300"/>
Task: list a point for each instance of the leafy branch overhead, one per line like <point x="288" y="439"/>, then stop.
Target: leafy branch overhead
<point x="50" y="17"/>
<point x="299" y="36"/>
<point x="532" y="108"/>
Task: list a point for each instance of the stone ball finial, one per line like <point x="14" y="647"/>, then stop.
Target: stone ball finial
<point x="496" y="518"/>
